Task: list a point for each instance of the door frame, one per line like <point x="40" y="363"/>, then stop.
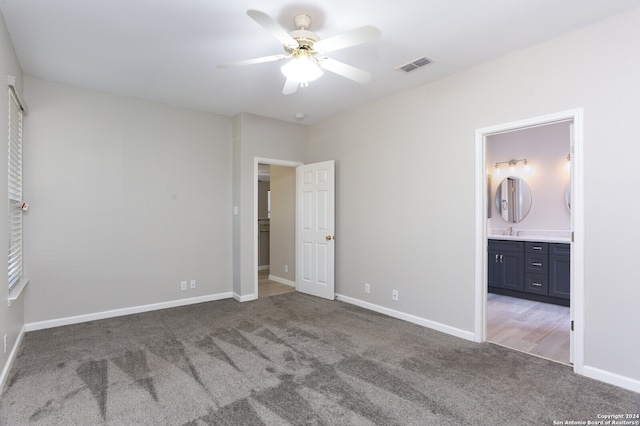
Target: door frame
<point x="271" y="162"/>
<point x="577" y="302"/>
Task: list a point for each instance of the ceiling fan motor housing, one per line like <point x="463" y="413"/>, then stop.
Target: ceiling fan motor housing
<point x="302" y="35"/>
<point x="304" y="38"/>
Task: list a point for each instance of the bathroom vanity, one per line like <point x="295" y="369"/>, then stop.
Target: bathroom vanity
<point x="529" y="263"/>
<point x="530" y="269"/>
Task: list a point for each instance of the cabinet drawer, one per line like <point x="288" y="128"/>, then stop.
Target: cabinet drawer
<point x="536" y="263"/>
<point x="535" y="247"/>
<point x="505" y="245"/>
<point x="560" y="249"/>
<point x="536" y="284"/>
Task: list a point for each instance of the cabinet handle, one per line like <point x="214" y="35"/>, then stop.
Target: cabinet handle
<point x="501" y="258"/>
<point x="537" y="284"/>
<point x="536" y="263"/>
<point x="536" y="247"/>
<point x="497" y="258"/>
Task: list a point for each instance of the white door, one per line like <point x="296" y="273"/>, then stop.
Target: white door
<point x="315" y="226"/>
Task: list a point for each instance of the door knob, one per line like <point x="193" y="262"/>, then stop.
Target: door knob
<point x="330" y="237"/>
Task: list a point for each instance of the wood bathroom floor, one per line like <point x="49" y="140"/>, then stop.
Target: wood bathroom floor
<point x="537" y="328"/>
<point x="267" y="288"/>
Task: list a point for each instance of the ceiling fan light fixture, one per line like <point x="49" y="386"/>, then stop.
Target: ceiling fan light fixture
<point x="303" y="68"/>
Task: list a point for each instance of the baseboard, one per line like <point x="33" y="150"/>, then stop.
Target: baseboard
<point x="246" y="298"/>
<point x="282" y="280"/>
<point x="611" y="378"/>
<point x="10" y="359"/>
<point x="263" y="267"/>
<point x="467" y="335"/>
<point x="40" y="325"/>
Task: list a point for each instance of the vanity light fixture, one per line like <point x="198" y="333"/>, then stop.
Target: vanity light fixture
<point x="512" y="165"/>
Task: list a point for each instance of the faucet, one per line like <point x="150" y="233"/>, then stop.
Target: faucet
<point x="510" y="230"/>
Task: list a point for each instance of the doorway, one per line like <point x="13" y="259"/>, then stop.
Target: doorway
<point x="528" y="211"/>
<point x="576" y="312"/>
<point x="274" y="227"/>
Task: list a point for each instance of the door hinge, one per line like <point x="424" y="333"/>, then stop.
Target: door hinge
<point x="572" y="236"/>
<point x="571" y="325"/>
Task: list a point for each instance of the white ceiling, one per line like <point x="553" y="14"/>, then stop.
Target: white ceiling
<point x="168" y="50"/>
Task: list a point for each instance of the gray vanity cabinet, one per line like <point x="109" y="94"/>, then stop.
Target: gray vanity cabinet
<point x="559" y="270"/>
<point x="530" y="270"/>
<point x="506" y="265"/>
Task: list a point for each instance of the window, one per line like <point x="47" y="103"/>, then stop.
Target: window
<point x="15" y="189"/>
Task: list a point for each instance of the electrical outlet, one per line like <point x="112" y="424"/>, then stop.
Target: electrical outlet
<point x="192" y="284"/>
<point x="394" y="295"/>
<point x="367" y="288"/>
<point x="286" y="268"/>
<point x="183" y="285"/>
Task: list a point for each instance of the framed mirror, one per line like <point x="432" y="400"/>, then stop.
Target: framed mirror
<point x="513" y="199"/>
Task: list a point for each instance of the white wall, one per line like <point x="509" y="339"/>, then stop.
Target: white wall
<point x="11" y="318"/>
<point x="128" y="198"/>
<point x="261" y="137"/>
<point x="405" y="183"/>
<point x="546" y="149"/>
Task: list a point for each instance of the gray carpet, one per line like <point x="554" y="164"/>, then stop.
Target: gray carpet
<point x="288" y="359"/>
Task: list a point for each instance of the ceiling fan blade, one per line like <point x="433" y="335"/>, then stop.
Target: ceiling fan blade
<point x="348" y="71"/>
<point x="290" y="87"/>
<point x="254" y="61"/>
<point x="350" y="38"/>
<point x="272" y="26"/>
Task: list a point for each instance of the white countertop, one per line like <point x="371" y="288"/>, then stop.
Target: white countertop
<point x="531" y="235"/>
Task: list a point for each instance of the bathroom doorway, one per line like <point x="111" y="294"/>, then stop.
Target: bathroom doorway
<point x="529" y="217"/>
<point x="531" y="322"/>
<point x="275" y="227"/>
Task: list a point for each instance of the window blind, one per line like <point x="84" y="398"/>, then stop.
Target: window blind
<point x="15" y="189"/>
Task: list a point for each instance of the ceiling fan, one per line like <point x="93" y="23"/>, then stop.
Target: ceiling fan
<point x="305" y="51"/>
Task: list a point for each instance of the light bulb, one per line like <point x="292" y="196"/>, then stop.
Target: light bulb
<point x="301" y="69"/>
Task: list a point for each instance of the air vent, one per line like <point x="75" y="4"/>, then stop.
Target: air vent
<point x="415" y="64"/>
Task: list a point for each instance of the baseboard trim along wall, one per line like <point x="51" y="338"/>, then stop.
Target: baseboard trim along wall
<point x="247" y="298"/>
<point x="40" y="325"/>
<point x="282" y="280"/>
<point x="463" y="334"/>
<point x="10" y="359"/>
<point x="611" y="378"/>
